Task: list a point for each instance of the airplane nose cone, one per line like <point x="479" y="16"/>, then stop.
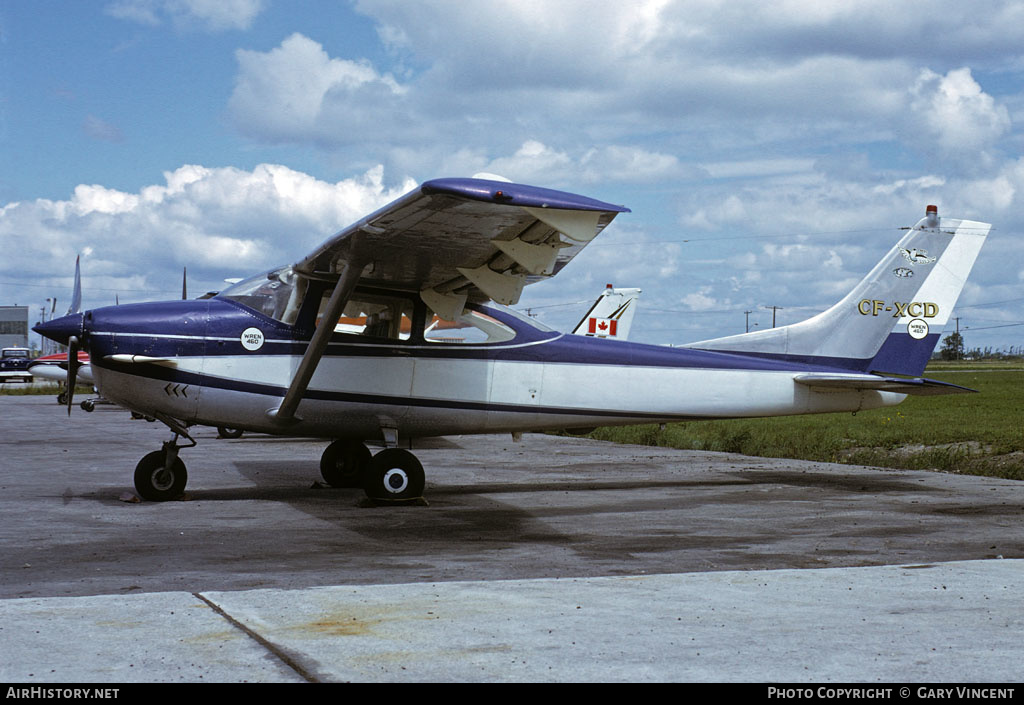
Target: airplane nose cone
<point x="60" y="329"/>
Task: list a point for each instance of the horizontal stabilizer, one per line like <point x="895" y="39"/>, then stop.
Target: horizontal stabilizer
<point x="913" y="386"/>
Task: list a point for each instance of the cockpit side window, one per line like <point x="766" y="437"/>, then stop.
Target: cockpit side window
<point x="372" y="315"/>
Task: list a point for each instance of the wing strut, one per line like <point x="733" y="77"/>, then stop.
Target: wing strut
<point x="321" y="336"/>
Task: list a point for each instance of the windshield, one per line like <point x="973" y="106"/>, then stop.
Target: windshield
<point x="272" y="293"/>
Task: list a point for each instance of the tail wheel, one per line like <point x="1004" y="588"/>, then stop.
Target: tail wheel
<point x="157" y="483"/>
<point x="225" y="432"/>
<point x="394" y="473"/>
<point x="344" y="463"/>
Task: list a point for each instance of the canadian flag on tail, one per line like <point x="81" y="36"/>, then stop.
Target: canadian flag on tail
<point x="604" y="327"/>
<point x="611" y="315"/>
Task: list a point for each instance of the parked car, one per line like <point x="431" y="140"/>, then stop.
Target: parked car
<point x="14" y="364"/>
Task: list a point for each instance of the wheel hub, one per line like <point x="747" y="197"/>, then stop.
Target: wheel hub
<point x="163" y="479"/>
<point x="395" y="480"/>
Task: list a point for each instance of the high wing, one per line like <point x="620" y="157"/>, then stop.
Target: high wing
<point x="453" y="241"/>
<point x="465" y="239"/>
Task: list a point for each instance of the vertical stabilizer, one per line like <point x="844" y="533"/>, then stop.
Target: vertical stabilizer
<point x="892" y="320"/>
<point x="76" y="294"/>
<point x="611" y="316"/>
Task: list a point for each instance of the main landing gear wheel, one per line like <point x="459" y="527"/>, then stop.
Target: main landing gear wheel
<point x="157" y="482"/>
<point x="394" y="474"/>
<point x="344" y="463"/>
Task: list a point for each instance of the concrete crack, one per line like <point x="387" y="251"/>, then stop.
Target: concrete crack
<point x="283" y="655"/>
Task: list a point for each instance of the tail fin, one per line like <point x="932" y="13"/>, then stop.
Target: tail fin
<point x="76" y="293"/>
<point x="611" y="316"/>
<point x="892" y="320"/>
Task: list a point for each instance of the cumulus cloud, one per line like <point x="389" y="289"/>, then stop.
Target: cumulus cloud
<point x="218" y="222"/>
<point x="297" y="93"/>
<point x="594" y="80"/>
<point x="953" y="114"/>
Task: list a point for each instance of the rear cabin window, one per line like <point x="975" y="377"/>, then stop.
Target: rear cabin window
<point x="387" y="317"/>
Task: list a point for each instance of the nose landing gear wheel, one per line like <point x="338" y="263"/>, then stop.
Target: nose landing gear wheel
<point x="157" y="483"/>
<point x="394" y="474"/>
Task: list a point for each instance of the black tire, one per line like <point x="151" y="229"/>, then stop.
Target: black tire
<point x="394" y="474"/>
<point x="62" y="398"/>
<point x="87" y="405"/>
<point x="156" y="484"/>
<point x="225" y="432"/>
<point x="344" y="463"/>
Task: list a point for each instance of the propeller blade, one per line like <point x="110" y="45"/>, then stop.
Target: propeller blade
<point x="73" y="366"/>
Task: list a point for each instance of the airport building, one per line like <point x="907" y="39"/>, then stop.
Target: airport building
<point x="13" y="326"/>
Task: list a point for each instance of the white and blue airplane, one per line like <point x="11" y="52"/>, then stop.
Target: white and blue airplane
<point x="254" y="357"/>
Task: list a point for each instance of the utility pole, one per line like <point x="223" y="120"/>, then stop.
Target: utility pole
<point x="747" y="316"/>
<point x="774" y="309"/>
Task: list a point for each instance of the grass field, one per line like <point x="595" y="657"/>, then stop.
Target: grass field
<point x="17" y="389"/>
<point x="979" y="434"/>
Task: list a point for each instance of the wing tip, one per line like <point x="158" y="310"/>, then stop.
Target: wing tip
<point x="509" y="193"/>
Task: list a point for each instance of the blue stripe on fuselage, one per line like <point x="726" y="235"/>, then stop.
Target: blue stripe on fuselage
<point x="213" y="328"/>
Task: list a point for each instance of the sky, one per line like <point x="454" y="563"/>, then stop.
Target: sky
<point x="769" y="152"/>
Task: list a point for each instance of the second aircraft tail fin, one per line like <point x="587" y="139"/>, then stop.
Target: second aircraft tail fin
<point x="611" y="316"/>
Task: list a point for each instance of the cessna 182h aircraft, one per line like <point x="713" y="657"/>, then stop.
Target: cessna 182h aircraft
<point x="254" y="356"/>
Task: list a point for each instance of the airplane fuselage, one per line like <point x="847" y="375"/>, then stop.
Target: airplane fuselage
<point x="215" y="362"/>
